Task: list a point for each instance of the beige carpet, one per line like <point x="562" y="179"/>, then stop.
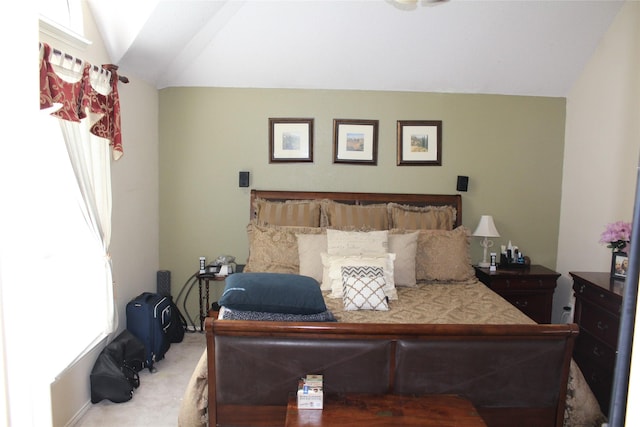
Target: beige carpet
<point x="157" y="401"/>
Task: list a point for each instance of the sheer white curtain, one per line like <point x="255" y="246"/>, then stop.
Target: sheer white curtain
<point x="76" y="251"/>
<point x="89" y="157"/>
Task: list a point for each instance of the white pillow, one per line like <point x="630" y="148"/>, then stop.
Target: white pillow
<point x="364" y="291"/>
<point x="310" y="246"/>
<point x="405" y="247"/>
<point x="341" y="242"/>
<point x="333" y="271"/>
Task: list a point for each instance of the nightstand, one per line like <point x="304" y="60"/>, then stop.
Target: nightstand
<point x="529" y="288"/>
<point x="203" y="285"/>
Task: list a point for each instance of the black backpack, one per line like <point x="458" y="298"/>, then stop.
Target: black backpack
<point x="175" y="331"/>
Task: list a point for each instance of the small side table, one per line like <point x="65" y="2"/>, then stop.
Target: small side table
<point x="352" y="410"/>
<point x="203" y="285"/>
<point x="529" y="288"/>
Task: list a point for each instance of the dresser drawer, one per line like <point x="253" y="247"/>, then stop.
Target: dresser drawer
<point x="536" y="305"/>
<point x="599" y="323"/>
<point x="598" y="297"/>
<point x="599" y="379"/>
<point x="589" y="348"/>
<point x="522" y="282"/>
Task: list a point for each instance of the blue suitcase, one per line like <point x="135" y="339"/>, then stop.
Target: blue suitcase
<point x="148" y="319"/>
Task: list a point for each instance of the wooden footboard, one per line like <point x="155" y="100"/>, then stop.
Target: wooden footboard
<point x="509" y="372"/>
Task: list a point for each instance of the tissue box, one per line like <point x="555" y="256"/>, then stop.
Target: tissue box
<point x="310" y="394"/>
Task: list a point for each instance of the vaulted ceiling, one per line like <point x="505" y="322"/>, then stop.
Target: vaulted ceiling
<point x="517" y="47"/>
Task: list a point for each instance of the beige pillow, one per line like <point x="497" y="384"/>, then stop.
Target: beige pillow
<point x="405" y="247"/>
<point x="443" y="255"/>
<point x="310" y="246"/>
<point x="274" y="249"/>
<point x="340" y="242"/>
<point x="356" y="217"/>
<point x="297" y="213"/>
<point x="422" y="218"/>
<point x="333" y="264"/>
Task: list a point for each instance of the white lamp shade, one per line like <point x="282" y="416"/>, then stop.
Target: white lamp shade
<point x="486" y="227"/>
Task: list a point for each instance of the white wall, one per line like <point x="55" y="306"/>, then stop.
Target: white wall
<point x="601" y="160"/>
<point x="602" y="145"/>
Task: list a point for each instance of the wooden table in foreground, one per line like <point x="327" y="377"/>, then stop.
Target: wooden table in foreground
<point x="387" y="410"/>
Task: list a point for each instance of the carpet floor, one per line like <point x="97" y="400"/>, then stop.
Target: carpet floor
<point x="157" y="401"/>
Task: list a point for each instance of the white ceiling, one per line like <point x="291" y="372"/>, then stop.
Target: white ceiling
<point x="517" y="47"/>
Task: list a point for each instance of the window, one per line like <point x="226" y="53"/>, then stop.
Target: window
<point x="65" y="13"/>
<point x="70" y="257"/>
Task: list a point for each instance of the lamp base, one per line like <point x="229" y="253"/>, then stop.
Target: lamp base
<point x="484" y="264"/>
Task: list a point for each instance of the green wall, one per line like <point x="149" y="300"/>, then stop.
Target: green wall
<point x="511" y="147"/>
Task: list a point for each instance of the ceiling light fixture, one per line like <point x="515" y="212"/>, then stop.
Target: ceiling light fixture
<point x="413" y="4"/>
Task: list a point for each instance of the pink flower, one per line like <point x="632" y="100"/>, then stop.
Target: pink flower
<point x="617" y="235"/>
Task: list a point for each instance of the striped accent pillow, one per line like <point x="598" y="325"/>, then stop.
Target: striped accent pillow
<point x="298" y="213"/>
<point x="422" y="218"/>
<point x="363" y="288"/>
<point x="357" y="217"/>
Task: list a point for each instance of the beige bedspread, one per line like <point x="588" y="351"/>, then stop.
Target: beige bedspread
<point x="443" y="303"/>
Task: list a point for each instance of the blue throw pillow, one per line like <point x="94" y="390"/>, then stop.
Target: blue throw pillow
<point x="273" y="293"/>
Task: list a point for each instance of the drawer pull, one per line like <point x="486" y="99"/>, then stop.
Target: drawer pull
<point x="597" y="352"/>
<point x="602" y="326"/>
<point x="581" y="289"/>
<point x="522" y="304"/>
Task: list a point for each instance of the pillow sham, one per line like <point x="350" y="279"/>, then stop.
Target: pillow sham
<point x="310" y="246"/>
<point x="332" y="271"/>
<point x="363" y="289"/>
<point x="340" y="242"/>
<point x="273" y="293"/>
<point x="443" y="255"/>
<point x="298" y="213"/>
<point x="356" y="217"/>
<point x="274" y="249"/>
<point x="405" y="247"/>
<point x="422" y="218"/>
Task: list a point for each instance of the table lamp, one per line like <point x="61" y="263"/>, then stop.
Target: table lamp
<point x="486" y="228"/>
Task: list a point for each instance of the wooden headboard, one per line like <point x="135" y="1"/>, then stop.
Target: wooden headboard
<point x="454" y="200"/>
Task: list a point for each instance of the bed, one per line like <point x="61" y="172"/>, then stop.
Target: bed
<point x="438" y="330"/>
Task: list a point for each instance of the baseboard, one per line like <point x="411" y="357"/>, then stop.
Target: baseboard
<point x="78" y="415"/>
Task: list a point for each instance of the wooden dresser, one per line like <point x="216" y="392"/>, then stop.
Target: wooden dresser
<point x="530" y="289"/>
<point x="597" y="312"/>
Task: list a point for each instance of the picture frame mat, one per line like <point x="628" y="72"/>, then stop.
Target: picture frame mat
<point x="344" y="130"/>
<point x="432" y="134"/>
<point x="280" y="130"/>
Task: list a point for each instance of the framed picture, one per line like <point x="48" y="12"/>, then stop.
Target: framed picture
<point x="355" y="141"/>
<point x="419" y="142"/>
<point x="619" y="265"/>
<point x="290" y="140"/>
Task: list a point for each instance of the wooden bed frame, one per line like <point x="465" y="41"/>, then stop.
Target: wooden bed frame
<point x="509" y="372"/>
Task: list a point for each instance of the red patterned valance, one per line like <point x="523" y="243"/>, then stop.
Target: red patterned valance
<point x="79" y="98"/>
